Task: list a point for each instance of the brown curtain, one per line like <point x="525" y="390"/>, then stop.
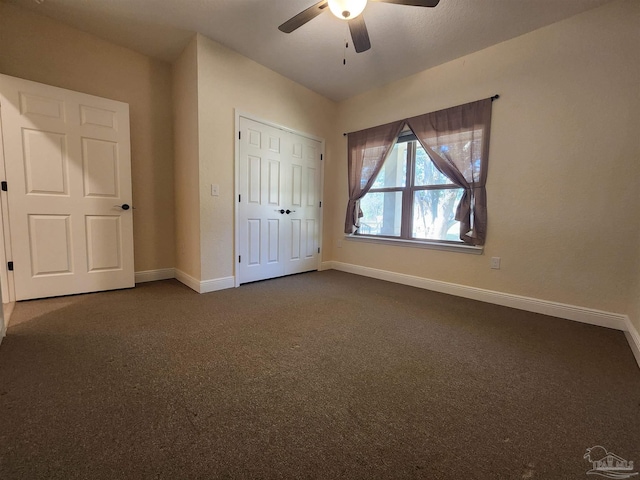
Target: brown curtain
<point x="457" y="140"/>
<point x="368" y="150"/>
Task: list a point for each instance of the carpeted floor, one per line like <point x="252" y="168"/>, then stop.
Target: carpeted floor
<point x="322" y="375"/>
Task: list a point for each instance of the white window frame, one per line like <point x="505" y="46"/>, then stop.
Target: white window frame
<point x="408" y="192"/>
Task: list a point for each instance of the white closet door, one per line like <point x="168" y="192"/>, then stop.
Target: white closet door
<point x="68" y="169"/>
<point x="303" y="191"/>
<point x="279" y="203"/>
<point x="261" y="199"/>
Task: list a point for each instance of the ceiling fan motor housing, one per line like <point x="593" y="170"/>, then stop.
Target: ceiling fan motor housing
<point x="347" y="9"/>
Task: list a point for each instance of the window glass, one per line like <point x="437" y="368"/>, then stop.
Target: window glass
<point x="426" y="172"/>
<point x="394" y="170"/>
<point x="432" y="197"/>
<point x="462" y="145"/>
<point x="434" y="214"/>
<point x="382" y="214"/>
<point x="422" y="177"/>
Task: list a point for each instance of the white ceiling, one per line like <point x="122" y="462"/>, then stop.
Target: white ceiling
<point x="405" y="40"/>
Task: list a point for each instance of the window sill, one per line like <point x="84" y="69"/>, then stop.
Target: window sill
<point x="448" y="247"/>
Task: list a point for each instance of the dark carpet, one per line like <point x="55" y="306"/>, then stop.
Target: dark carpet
<point x="323" y="375"/>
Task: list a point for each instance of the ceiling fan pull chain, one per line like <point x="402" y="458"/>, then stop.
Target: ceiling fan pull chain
<point x="346" y="46"/>
<point x="351" y="12"/>
<point x="344" y="56"/>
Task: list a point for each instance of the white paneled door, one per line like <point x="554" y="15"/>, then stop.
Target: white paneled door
<point x="279" y="202"/>
<point x="68" y="169"/>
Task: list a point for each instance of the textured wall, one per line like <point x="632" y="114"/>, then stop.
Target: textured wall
<point x="564" y="207"/>
<point x="565" y="155"/>
<point x="187" y="161"/>
<point x="228" y="81"/>
<point x="43" y="50"/>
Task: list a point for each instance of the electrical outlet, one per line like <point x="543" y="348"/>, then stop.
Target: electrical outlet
<point x="215" y="190"/>
<point x="340" y="243"/>
<point x="495" y="263"/>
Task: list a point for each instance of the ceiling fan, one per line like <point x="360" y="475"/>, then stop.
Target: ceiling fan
<point x="350" y="11"/>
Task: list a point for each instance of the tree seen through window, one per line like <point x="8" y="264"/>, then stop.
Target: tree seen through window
<point x="410" y="180"/>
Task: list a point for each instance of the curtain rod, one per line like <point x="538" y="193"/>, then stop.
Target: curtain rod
<point x="494" y="98"/>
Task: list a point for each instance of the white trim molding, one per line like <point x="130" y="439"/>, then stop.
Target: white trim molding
<point x="188" y="280"/>
<point x="216" y="284"/>
<point x="634" y="339"/>
<point x="570" y="312"/>
<point x="154" y="275"/>
<point x="591" y="316"/>
<point x="7" y="311"/>
<point x="205" y="286"/>
<point x="402" y="242"/>
<point x="3" y="329"/>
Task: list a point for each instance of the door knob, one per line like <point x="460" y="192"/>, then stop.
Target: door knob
<point x="124" y="206"/>
<point x="281" y="210"/>
<point x="289" y="211"/>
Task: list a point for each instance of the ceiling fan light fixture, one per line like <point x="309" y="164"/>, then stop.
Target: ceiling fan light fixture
<point x="347" y="9"/>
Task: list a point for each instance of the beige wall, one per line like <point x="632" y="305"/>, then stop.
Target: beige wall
<point x="564" y="161"/>
<point x="39" y="49"/>
<point x="187" y="161"/>
<point x="564" y="209"/>
<point x="228" y="81"/>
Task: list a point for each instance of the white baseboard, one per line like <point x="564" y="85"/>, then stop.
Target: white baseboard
<point x="215" y="284"/>
<point x="154" y="275"/>
<point x="205" y="286"/>
<point x="561" y="310"/>
<point x="634" y="340"/>
<point x="7" y="311"/>
<point x="616" y="321"/>
<point x="554" y="309"/>
<point x="188" y="280"/>
<point x="325" y="266"/>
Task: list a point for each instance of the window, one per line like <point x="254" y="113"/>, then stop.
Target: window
<point x="410" y="198"/>
<point x="427" y="185"/>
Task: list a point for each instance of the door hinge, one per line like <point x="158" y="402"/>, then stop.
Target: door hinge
<point x="4" y="186"/>
<point x="320" y="205"/>
<point x="321" y="157"/>
<point x="239" y="197"/>
<point x="10" y="266"/>
<point x="239" y="258"/>
<point x="239" y="135"/>
<point x="318" y="249"/>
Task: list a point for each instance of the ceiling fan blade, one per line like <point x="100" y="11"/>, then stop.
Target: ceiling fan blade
<point x="414" y="3"/>
<point x="303" y="17"/>
<point x="359" y="34"/>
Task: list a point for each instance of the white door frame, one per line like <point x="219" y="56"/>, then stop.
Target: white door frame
<point x="6" y="277"/>
<point x="238" y="114"/>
